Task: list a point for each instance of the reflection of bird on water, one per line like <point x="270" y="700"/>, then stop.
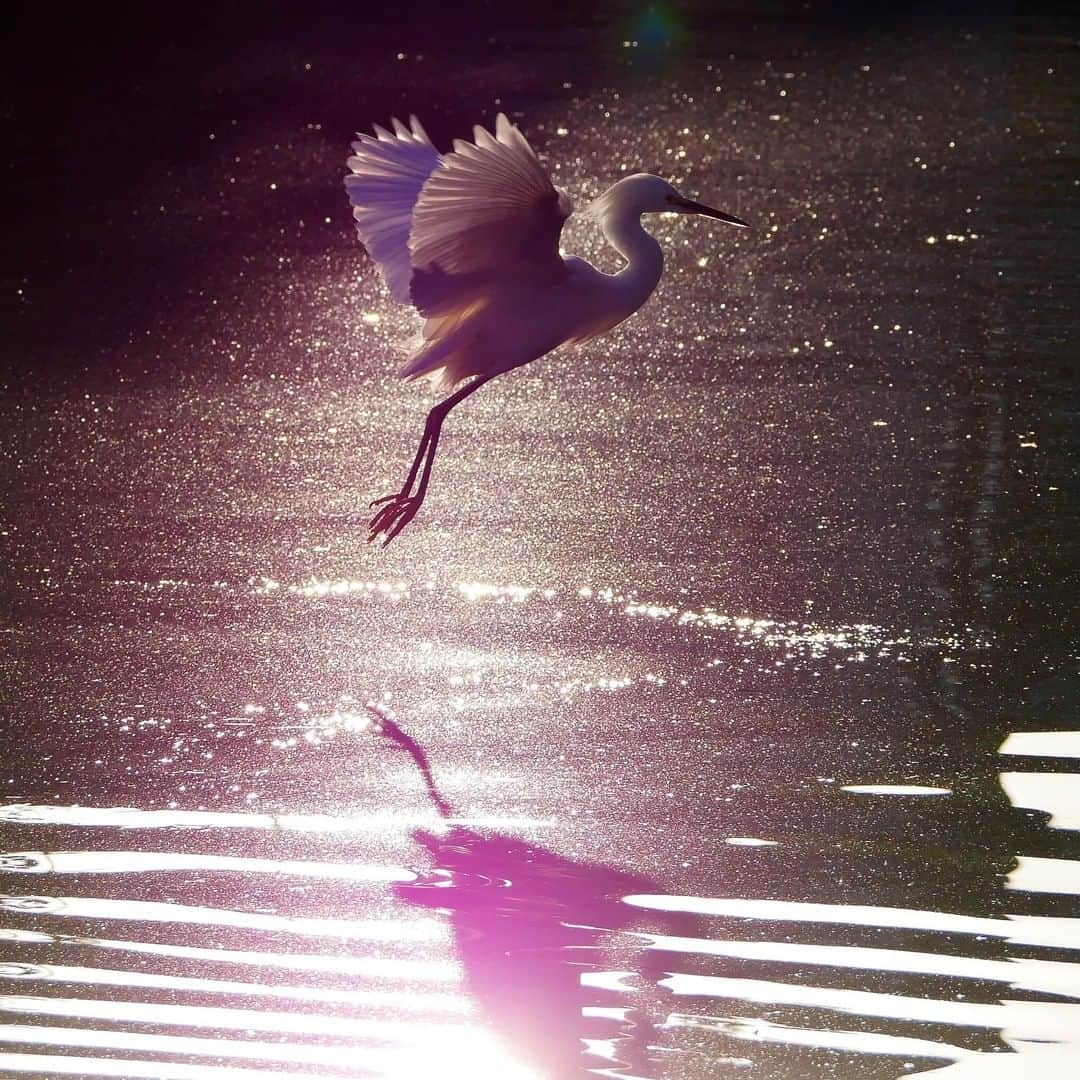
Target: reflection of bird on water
<point x="528" y="924"/>
<point x="471" y="240"/>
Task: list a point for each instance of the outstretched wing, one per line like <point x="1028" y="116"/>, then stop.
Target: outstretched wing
<point x="387" y="174"/>
<point x="488" y="213"/>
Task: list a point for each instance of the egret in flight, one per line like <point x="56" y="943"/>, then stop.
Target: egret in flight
<point x="471" y="239"/>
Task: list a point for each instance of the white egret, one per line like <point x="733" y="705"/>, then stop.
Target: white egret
<point x="471" y="239"/>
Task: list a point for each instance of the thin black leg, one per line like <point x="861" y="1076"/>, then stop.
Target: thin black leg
<point x="401" y="507"/>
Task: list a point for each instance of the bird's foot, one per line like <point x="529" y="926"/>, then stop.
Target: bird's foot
<point x="398" y="511"/>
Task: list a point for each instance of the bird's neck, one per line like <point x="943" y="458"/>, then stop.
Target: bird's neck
<point x="644" y="259"/>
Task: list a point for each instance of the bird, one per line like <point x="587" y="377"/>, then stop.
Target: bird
<point x="470" y="238"/>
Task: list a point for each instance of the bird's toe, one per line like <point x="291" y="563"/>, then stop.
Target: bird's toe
<point x="393" y="517"/>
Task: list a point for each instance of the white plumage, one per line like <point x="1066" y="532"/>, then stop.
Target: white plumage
<point x="471" y="240"/>
<point x="388" y="173"/>
<point x="490" y="207"/>
<point x="451" y="233"/>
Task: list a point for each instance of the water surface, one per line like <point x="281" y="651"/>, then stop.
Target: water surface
<point x="731" y="657"/>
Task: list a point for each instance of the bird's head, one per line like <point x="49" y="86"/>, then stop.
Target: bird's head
<point x="644" y="193"/>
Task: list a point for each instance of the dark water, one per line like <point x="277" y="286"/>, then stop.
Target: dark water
<point x="732" y="658"/>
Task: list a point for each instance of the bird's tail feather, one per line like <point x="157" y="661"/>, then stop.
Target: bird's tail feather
<point x="444" y="360"/>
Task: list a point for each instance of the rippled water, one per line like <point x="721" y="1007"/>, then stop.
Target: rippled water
<point x="713" y="717"/>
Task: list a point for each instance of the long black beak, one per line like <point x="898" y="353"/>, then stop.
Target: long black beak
<point x="691" y="207"/>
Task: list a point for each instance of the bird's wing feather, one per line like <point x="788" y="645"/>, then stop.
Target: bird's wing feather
<point x="388" y="171"/>
<point x="489" y="211"/>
